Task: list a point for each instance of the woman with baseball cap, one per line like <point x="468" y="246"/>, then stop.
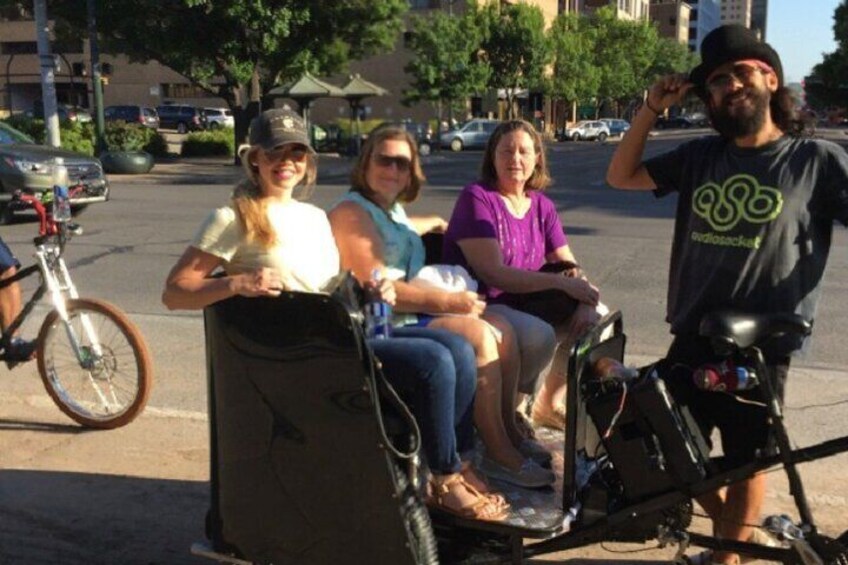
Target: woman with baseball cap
<point x="266" y="242"/>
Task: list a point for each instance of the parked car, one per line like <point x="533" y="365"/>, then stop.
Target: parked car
<point x="219" y="118"/>
<point x="143" y="115"/>
<point x="28" y="167"/>
<point x="181" y="118"/>
<point x="66" y="113"/>
<point x="469" y="135"/>
<point x="587" y="129"/>
<point x="422" y="133"/>
<point x="616" y="126"/>
<point x="677" y="122"/>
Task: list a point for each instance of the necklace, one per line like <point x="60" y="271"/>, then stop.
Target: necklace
<point x="517" y="204"/>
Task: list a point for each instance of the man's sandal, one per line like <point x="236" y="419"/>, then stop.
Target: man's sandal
<point x="483" y="508"/>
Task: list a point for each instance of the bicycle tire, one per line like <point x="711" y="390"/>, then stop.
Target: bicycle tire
<point x="80" y="395"/>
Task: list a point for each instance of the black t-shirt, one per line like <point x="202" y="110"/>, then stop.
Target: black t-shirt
<point x="753" y="226"/>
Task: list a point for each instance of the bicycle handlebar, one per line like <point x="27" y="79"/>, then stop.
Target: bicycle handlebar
<point x="47" y="226"/>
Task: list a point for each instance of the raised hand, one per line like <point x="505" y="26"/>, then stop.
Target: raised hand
<point x="667" y="91"/>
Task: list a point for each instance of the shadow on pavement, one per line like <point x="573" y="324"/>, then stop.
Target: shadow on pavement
<point x="77" y="518"/>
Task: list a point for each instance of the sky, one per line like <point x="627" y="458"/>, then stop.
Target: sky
<point x="800" y="31"/>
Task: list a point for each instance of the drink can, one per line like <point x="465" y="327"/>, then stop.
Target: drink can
<point x="378" y="316"/>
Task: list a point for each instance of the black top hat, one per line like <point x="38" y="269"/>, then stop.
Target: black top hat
<point x="729" y="43"/>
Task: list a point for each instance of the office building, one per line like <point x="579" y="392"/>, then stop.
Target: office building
<point x="625" y="9"/>
<point x="759" y="15"/>
<point x="672" y="19"/>
<point x="736" y="12"/>
<point x="705" y="17"/>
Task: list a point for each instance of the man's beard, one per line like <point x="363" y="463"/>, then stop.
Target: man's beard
<point x="744" y="120"/>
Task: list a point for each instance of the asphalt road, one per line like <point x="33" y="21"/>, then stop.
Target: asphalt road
<point x="622" y="239"/>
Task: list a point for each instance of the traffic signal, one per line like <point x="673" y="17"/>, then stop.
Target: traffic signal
<point x="106" y="69"/>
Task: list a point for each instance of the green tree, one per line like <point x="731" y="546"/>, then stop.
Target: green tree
<point x="239" y="49"/>
<point x="624" y="52"/>
<point x="517" y="49"/>
<point x="447" y="64"/>
<point x="828" y="83"/>
<point x="575" y="75"/>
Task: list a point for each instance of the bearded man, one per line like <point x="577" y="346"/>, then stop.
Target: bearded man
<point x="752" y="233"/>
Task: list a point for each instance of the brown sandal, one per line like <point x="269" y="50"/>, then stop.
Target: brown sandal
<point x="555" y="420"/>
<point x="483" y="508"/>
<point x="486" y="489"/>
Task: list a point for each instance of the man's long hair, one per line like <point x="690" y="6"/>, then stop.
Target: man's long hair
<point x="784" y="112"/>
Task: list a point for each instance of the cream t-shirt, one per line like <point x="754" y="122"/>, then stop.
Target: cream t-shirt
<point x="305" y="253"/>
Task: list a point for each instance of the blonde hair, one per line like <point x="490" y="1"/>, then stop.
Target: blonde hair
<point x="358" y="180"/>
<point x="250" y="206"/>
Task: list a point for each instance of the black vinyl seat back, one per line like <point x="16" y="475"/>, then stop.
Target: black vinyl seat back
<point x="299" y="473"/>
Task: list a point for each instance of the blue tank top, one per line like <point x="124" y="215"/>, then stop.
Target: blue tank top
<point x="403" y="250"/>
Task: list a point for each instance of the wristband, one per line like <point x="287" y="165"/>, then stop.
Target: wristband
<point x="648" y="105"/>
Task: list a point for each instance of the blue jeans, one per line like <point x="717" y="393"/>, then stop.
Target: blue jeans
<point x="435" y="372"/>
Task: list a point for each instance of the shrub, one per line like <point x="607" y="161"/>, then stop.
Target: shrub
<point x="77" y="137"/>
<point x="156" y="144"/>
<point x="208" y="143"/>
<point x="126" y="137"/>
<point x="32" y="127"/>
<point x="73" y="136"/>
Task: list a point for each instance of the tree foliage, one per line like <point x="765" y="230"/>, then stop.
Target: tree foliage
<point x="447" y="63"/>
<point x="575" y="75"/>
<point x="517" y="49"/>
<point x="828" y="84"/>
<point x="239" y="49"/>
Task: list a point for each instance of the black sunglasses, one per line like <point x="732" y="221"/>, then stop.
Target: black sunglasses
<point x="402" y="163"/>
<point x="291" y="151"/>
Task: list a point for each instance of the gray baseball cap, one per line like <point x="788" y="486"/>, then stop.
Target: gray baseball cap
<point x="278" y="127"/>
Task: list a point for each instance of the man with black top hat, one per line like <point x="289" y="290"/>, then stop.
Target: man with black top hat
<point x="752" y="232"/>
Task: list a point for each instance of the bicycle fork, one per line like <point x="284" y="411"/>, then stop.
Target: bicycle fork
<point x="58" y="280"/>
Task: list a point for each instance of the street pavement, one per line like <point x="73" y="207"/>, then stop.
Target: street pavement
<point x="138" y="495"/>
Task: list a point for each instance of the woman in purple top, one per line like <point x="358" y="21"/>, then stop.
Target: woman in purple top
<point x="507" y="234"/>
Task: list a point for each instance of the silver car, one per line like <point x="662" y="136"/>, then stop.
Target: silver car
<point x="473" y="134"/>
<point x="588" y="129"/>
<point x="28" y="167"/>
<point x="219" y="118"/>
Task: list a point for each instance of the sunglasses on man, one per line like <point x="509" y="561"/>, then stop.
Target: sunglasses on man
<point x="742" y="72"/>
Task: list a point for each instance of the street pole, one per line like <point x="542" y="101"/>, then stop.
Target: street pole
<point x="96" y="82"/>
<point x="48" y="69"/>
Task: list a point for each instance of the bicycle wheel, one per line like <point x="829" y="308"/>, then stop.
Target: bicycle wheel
<point x="106" y="391"/>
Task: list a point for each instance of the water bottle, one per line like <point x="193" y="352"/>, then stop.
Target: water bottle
<point x="378" y="314"/>
<point x="61" y="203"/>
<point x="724" y="377"/>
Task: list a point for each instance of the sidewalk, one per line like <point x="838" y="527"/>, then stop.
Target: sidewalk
<point x="219" y="170"/>
<point x="138" y="495"/>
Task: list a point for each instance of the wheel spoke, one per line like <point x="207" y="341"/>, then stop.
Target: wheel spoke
<point x="99" y="387"/>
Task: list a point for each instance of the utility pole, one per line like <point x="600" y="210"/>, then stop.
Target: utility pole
<point x="96" y="81"/>
<point x="48" y="69"/>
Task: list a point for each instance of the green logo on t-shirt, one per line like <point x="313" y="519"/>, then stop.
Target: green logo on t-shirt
<point x="740" y="198"/>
